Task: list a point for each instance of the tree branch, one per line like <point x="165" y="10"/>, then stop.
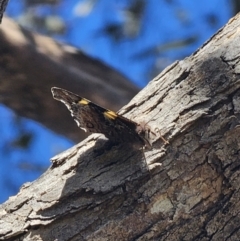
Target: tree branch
<point x="31" y="64"/>
<point x="99" y="191"/>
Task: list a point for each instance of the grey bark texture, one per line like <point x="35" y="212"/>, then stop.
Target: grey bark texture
<point x="189" y="188"/>
<point x="30" y="64"/>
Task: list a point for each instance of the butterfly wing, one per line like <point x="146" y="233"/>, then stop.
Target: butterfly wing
<point x="96" y="119"/>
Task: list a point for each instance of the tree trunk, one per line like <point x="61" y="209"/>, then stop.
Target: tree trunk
<point x="186" y="190"/>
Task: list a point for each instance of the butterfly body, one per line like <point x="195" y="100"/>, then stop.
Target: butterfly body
<point x="95" y="119"/>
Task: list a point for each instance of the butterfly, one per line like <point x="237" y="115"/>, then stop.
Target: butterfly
<point x="95" y="119"/>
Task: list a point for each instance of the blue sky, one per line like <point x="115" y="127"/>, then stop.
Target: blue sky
<point x="167" y="31"/>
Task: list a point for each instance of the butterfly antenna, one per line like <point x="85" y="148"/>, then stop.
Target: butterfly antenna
<point x="160" y="135"/>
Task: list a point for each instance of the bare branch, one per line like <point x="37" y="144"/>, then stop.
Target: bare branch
<point x="31" y="64"/>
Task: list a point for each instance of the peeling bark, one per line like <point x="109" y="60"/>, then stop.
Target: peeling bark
<point x="96" y="191"/>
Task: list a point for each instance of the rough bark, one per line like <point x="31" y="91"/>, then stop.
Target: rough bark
<point x="190" y="189"/>
<point x="30" y="64"/>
